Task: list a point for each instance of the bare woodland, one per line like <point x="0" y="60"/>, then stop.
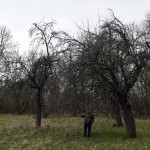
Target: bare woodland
<point x="105" y="68"/>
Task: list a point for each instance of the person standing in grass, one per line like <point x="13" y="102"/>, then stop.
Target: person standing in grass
<point x="88" y="121"/>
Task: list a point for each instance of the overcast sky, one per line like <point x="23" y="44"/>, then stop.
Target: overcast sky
<point x="18" y="15"/>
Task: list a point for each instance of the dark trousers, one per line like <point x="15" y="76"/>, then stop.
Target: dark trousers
<point x="87" y="129"/>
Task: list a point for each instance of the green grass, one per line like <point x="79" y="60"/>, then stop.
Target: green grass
<point x="66" y="133"/>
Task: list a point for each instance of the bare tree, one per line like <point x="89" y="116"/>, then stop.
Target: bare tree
<point x="7" y="48"/>
<point x="117" y="53"/>
<point x="38" y="67"/>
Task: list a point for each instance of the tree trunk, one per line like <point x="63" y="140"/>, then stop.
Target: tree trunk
<point x="128" y="116"/>
<point x="129" y="122"/>
<point x="116" y="111"/>
<point x="118" y="117"/>
<point x="38" y="110"/>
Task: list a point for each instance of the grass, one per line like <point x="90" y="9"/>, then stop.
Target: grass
<point x="66" y="133"/>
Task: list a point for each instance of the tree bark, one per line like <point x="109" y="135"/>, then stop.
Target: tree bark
<point x="116" y="111"/>
<point x="38" y="110"/>
<point x="128" y="116"/>
<point x="129" y="122"/>
<point x="118" y="117"/>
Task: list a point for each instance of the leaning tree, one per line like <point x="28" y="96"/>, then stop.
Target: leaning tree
<point x="116" y="53"/>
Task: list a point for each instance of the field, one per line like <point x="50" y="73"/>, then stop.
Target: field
<point x="66" y="133"/>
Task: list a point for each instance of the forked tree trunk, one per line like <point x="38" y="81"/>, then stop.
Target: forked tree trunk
<point x="38" y="110"/>
<point x="128" y="116"/>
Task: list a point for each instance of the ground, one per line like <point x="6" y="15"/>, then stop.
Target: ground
<point x="66" y="133"/>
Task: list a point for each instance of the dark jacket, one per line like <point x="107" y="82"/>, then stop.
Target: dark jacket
<point x="88" y="117"/>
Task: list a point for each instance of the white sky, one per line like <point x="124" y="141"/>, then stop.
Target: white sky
<point x="18" y="15"/>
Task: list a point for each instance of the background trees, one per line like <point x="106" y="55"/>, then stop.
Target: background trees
<point x="7" y="52"/>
